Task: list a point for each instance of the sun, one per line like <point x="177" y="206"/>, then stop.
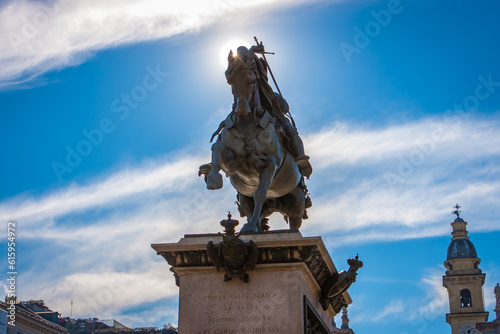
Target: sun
<point x="232" y="44"/>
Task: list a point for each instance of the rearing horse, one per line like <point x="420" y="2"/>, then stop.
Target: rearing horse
<point x="250" y="150"/>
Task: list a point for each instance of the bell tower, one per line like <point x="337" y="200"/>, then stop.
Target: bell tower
<point x="464" y="281"/>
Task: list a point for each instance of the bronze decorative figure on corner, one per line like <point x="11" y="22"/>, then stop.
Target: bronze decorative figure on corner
<point x="339" y="283"/>
<point x="258" y="147"/>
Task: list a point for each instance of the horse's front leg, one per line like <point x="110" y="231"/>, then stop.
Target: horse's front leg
<point x="260" y="196"/>
<point x="214" y="179"/>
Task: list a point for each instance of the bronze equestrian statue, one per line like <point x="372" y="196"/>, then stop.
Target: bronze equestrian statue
<point x="259" y="148"/>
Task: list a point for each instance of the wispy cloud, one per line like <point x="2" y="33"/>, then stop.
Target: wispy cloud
<point x="107" y="292"/>
<point x="402" y="176"/>
<point x="37" y="37"/>
<point x="395" y="307"/>
<point x="416" y="310"/>
<point x="150" y="180"/>
<point x="436" y="296"/>
<point x="438" y="139"/>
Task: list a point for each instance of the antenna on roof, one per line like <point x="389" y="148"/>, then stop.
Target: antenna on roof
<point x="71" y="312"/>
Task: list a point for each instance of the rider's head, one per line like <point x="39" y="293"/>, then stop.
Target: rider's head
<point x="242" y="51"/>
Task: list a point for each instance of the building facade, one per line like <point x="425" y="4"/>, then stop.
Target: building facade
<point x="26" y="321"/>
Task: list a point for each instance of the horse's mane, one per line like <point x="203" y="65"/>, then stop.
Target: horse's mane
<point x="236" y="64"/>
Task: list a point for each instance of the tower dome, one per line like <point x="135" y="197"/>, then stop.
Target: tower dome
<point x="460" y="246"/>
<point x="461" y="249"/>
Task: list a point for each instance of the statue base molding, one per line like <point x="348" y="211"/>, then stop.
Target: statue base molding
<point x="281" y="294"/>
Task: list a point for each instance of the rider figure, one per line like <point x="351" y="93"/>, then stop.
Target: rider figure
<point x="277" y="106"/>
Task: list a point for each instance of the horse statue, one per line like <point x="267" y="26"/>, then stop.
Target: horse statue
<point x="258" y="148"/>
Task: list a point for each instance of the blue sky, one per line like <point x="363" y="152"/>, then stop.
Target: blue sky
<point x="397" y="103"/>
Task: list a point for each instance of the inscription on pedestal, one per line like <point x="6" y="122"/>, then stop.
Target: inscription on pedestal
<point x="243" y="313"/>
<point x="240" y="296"/>
<point x="265" y="305"/>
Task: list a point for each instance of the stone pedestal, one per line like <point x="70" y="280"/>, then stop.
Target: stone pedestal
<point x="282" y="295"/>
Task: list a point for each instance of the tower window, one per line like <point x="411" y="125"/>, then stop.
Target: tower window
<point x="465" y="298"/>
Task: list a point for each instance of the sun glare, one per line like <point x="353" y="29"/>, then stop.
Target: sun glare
<point x="231" y="45"/>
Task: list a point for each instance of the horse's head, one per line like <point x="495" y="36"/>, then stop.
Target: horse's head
<point x="242" y="75"/>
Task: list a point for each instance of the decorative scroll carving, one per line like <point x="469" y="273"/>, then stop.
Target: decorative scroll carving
<point x="285" y="254"/>
<point x="193" y="258"/>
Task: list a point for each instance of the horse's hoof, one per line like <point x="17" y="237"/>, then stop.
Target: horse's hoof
<point x="249" y="228"/>
<point x="295" y="224"/>
<point x="214" y="181"/>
